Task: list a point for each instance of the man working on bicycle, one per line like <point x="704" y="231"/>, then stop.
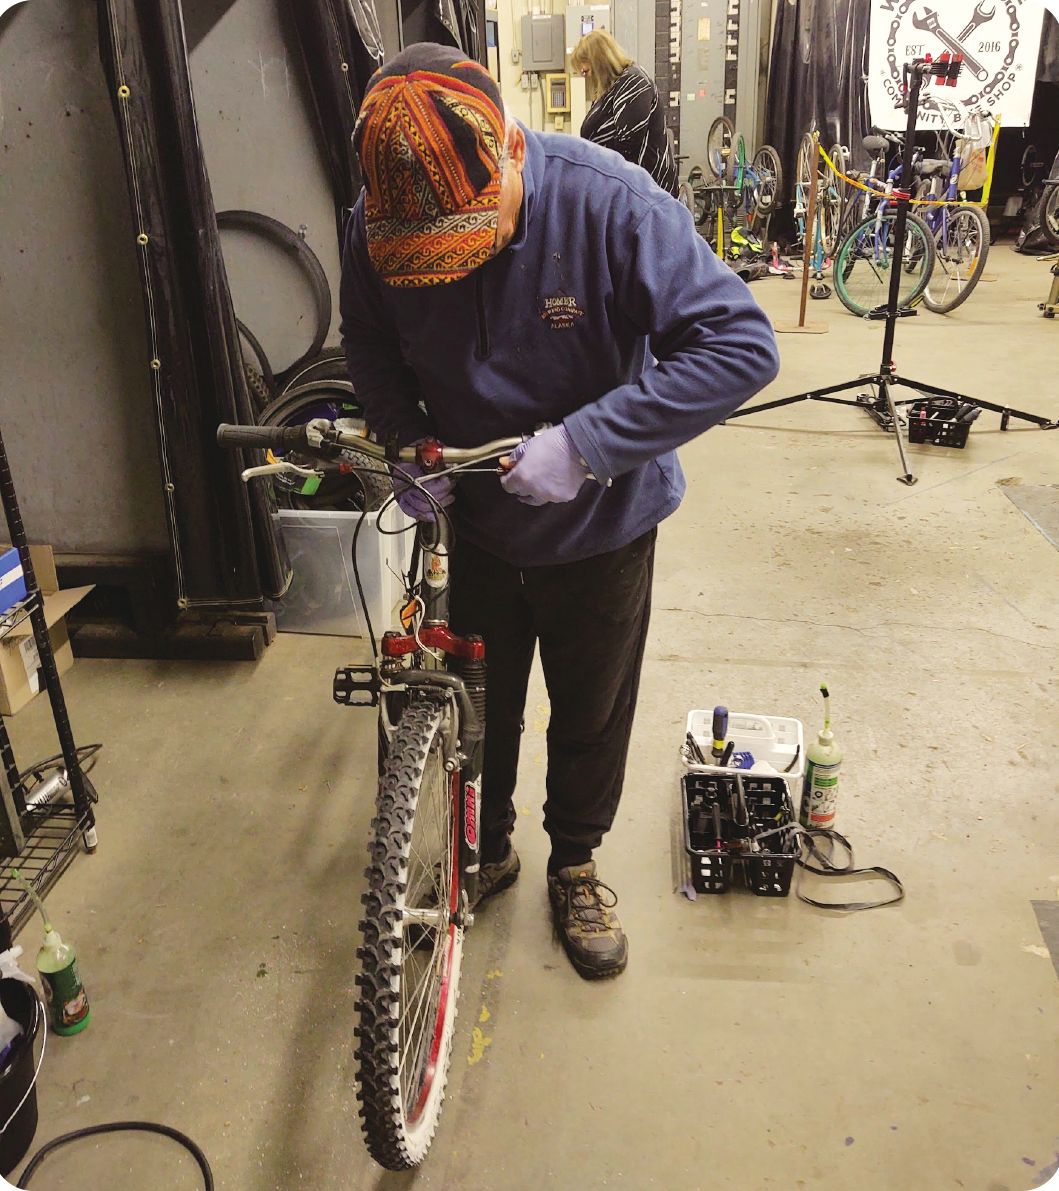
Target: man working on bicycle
<point x="495" y="279"/>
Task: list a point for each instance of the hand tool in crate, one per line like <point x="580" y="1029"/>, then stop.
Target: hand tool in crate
<point x="941" y="421"/>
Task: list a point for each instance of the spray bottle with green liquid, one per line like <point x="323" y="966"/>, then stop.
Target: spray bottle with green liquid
<point x="57" y="964"/>
<point x="820" y="785"/>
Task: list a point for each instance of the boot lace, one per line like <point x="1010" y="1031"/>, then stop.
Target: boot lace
<point x="587" y="901"/>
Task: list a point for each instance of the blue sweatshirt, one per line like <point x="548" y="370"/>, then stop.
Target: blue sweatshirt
<point x="607" y="312"/>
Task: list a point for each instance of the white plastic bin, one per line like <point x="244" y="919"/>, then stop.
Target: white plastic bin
<point x="323" y="597"/>
<point x="776" y="742"/>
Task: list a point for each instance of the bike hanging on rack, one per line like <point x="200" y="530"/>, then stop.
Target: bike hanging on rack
<point x="734" y="196"/>
<point x="429" y="686"/>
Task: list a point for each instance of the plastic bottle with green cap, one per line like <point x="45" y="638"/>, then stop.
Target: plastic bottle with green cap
<point x="820" y="784"/>
<point x="57" y="964"/>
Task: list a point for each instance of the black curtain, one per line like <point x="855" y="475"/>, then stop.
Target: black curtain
<point x="225" y="548"/>
<point x="819" y="60"/>
<point x="341" y="46"/>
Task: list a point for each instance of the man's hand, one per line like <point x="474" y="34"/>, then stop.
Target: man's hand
<point x="545" y="469"/>
<point x="413" y="501"/>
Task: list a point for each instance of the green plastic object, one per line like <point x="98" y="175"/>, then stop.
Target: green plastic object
<point x="67" y="1000"/>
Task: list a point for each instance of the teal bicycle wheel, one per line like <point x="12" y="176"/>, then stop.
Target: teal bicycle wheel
<point x="864" y="263"/>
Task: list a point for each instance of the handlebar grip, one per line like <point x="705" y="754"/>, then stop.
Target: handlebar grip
<point x="277" y="437"/>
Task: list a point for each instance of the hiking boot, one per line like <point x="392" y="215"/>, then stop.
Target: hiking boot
<point x="496" y="877"/>
<point x="583" y="910"/>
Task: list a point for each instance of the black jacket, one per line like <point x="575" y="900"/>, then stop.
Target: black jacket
<point x="629" y="119"/>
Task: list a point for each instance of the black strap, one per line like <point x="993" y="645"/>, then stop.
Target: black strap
<point x="826" y="866"/>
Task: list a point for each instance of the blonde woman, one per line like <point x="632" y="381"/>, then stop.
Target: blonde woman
<point x="626" y="114"/>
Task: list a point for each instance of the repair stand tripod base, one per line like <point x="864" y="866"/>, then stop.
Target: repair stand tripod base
<point x="881" y="406"/>
<point x="782" y="328"/>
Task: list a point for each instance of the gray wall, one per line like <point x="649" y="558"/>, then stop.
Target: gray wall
<point x="255" y="122"/>
<point x="702" y="73"/>
<point x="75" y="406"/>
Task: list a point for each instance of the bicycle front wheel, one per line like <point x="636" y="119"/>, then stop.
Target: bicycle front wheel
<point x="686" y="197"/>
<point x="864" y="261"/>
<point x="1050" y="214"/>
<point x="720" y="145"/>
<point x="769" y="180"/>
<point x="697" y="183"/>
<point x="962" y="243"/>
<point x="412" y="943"/>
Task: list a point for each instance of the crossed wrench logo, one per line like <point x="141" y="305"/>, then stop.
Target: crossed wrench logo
<point x="928" y="21"/>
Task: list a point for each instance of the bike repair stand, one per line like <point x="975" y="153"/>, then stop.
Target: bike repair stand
<point x="880" y="405"/>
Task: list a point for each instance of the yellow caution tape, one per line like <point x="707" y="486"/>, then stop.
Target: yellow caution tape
<point x="920" y="202"/>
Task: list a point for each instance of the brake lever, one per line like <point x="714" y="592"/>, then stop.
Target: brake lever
<point x="277" y="469"/>
<point x="540" y="429"/>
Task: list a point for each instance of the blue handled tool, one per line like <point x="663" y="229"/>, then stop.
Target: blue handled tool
<point x="720" y="731"/>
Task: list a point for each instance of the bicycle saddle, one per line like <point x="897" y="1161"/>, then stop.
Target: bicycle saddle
<point x="875" y="144"/>
<point x="931" y="166"/>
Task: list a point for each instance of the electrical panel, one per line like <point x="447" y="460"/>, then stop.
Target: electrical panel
<point x="582" y="19"/>
<point x="557" y="90"/>
<point x="542" y="43"/>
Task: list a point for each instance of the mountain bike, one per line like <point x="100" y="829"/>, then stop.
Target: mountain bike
<point x="757" y="182"/>
<point x="822" y="232"/>
<point x="865" y="257"/>
<point x="429" y="687"/>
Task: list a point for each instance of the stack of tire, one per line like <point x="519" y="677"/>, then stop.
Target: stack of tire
<point x="315" y="385"/>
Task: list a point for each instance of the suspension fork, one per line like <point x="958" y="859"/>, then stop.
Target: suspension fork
<point x="435" y="540"/>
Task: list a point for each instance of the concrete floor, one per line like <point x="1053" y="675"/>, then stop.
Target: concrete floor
<point x="752" y="1043"/>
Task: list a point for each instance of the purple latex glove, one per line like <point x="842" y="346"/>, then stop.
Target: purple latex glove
<point x="417" y="504"/>
<point x="545" y="469"/>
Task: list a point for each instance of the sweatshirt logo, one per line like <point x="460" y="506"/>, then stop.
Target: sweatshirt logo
<point x="560" y="312"/>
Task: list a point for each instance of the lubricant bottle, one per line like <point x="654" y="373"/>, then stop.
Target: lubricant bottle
<point x="63" y="990"/>
<point x="820" y="785"/>
<point x="57" y="965"/>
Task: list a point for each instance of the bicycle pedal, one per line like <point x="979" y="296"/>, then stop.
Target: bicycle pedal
<point x="356" y="686"/>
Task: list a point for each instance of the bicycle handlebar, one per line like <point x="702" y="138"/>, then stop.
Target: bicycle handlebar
<point x="319" y="433"/>
<point x="279" y="437"/>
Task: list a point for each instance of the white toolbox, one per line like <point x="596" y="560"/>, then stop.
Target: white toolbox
<point x="776" y="742"/>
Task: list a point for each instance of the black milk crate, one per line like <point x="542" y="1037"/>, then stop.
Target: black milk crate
<point x="711" y="868"/>
<point x="933" y="421"/>
<point x="767" y="872"/>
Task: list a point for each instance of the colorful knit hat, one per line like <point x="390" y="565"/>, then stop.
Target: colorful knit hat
<point x="430" y="136"/>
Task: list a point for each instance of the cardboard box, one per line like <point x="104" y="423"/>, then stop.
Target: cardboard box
<point x="20" y="676"/>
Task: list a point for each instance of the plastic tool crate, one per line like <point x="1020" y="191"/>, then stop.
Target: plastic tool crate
<point x="767" y="870"/>
<point x="938" y="420"/>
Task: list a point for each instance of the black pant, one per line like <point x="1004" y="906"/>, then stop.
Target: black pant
<point x="590" y="618"/>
